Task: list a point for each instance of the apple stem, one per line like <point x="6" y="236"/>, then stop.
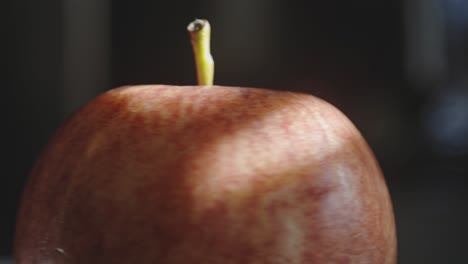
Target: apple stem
<point x="200" y="33"/>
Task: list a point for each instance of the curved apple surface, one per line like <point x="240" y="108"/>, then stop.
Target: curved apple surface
<point x="206" y="174"/>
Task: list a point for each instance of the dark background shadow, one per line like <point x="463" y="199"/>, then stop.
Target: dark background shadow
<point x="396" y="69"/>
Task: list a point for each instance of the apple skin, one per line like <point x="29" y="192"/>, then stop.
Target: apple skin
<point x="193" y="174"/>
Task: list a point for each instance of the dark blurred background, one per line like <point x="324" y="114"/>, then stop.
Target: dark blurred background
<point x="398" y="69"/>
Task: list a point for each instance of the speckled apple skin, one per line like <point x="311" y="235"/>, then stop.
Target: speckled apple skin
<point x="191" y="174"/>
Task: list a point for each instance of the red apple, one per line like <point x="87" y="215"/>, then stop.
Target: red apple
<point x="206" y="174"/>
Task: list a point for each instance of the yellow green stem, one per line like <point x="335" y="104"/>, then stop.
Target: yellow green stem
<point x="200" y="33"/>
